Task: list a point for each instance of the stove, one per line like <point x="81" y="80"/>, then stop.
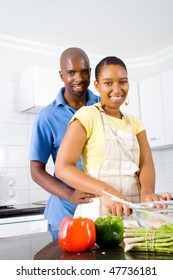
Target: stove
<point x="7" y="211"/>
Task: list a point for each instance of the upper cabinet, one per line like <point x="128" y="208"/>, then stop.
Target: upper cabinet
<point x="38" y="87"/>
<point x="133" y="107"/>
<point x="156" y="97"/>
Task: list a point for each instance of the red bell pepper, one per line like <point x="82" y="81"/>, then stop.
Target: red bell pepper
<point x="77" y="234"/>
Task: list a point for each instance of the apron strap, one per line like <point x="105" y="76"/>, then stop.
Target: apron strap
<point x="105" y="120"/>
<point x="114" y="131"/>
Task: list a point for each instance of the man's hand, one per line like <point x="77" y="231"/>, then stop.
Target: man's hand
<point x="79" y="197"/>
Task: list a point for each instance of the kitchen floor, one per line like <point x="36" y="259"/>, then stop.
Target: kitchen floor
<point x="23" y="247"/>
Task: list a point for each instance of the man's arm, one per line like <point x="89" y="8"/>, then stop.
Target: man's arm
<point x="51" y="185"/>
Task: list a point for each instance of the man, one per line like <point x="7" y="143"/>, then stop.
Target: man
<point x="48" y="131"/>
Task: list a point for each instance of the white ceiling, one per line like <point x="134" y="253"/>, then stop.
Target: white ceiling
<point x="125" y="28"/>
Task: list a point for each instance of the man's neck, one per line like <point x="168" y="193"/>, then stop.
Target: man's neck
<point x="75" y="102"/>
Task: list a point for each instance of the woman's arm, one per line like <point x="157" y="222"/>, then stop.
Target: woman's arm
<point x="147" y="171"/>
<point x="65" y="166"/>
<point x="67" y="157"/>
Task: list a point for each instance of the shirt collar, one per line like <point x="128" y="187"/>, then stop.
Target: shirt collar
<point x="91" y="97"/>
<point x="60" y="98"/>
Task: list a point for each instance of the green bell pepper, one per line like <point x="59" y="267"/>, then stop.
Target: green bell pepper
<point x="109" y="231"/>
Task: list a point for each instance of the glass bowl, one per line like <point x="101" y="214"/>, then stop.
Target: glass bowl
<point x="151" y="217"/>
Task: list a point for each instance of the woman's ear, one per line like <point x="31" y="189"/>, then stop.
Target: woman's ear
<point x="96" y="84"/>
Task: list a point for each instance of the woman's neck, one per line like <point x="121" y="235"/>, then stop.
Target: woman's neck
<point x="116" y="113"/>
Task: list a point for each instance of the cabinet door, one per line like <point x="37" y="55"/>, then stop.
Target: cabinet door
<point x="151" y="108"/>
<point x="167" y="91"/>
<point x="133" y="97"/>
<point x="47" y="83"/>
<point x="22" y="228"/>
<point x="38" y="87"/>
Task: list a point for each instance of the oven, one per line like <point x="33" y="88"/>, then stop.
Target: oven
<point x="21" y="219"/>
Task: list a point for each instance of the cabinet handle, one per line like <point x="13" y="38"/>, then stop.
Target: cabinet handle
<point x="154" y="138"/>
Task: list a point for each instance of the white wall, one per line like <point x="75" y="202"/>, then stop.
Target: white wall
<point x="16" y="127"/>
<point x="163" y="160"/>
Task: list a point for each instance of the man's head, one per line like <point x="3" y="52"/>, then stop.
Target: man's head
<point x="75" y="71"/>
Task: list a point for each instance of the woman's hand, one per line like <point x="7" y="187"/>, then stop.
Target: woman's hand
<point x="116" y="208"/>
<point x="156" y="197"/>
<point x="166" y="196"/>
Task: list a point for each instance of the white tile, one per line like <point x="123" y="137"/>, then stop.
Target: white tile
<point x="33" y="185"/>
<point x="169" y="187"/>
<point x="30" y="128"/>
<point x="44" y="60"/>
<point x="13" y="156"/>
<point x="19" y="175"/>
<point x="169" y="171"/>
<point x="168" y="155"/>
<point x="22" y="196"/>
<point x="31" y="118"/>
<point x="13" y="134"/>
<point x="158" y="156"/>
<point x="37" y="195"/>
<point x="160" y="173"/>
<point x="22" y="178"/>
<point x="160" y="188"/>
<point x="10" y="113"/>
<point x="12" y="54"/>
<point x="9" y="91"/>
<point x="11" y="69"/>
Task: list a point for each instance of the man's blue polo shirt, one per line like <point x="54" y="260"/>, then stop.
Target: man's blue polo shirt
<point x="48" y="131"/>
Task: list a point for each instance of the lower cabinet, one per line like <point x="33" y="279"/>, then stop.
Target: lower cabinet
<point x="22" y="225"/>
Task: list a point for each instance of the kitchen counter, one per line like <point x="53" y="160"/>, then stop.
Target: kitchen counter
<point x="23" y="247"/>
<point x="52" y="251"/>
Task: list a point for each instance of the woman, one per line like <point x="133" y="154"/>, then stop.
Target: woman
<point x="116" y="156"/>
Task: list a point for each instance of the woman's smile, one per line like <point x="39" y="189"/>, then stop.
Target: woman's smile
<point x="117" y="99"/>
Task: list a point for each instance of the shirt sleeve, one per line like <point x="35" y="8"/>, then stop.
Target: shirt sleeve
<point x="138" y="125"/>
<point x="40" y="147"/>
<point x="85" y="116"/>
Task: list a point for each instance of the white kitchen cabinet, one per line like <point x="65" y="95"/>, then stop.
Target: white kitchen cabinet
<point x="151" y="108"/>
<point x="38" y="87"/>
<point x="156" y="99"/>
<point x="167" y="91"/>
<point x="133" y="107"/>
<point x="22" y="225"/>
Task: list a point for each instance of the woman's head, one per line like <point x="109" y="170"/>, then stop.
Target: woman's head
<point x="109" y="60"/>
<point x="111" y="81"/>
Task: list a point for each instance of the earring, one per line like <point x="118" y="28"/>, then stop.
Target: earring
<point x="127" y="101"/>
